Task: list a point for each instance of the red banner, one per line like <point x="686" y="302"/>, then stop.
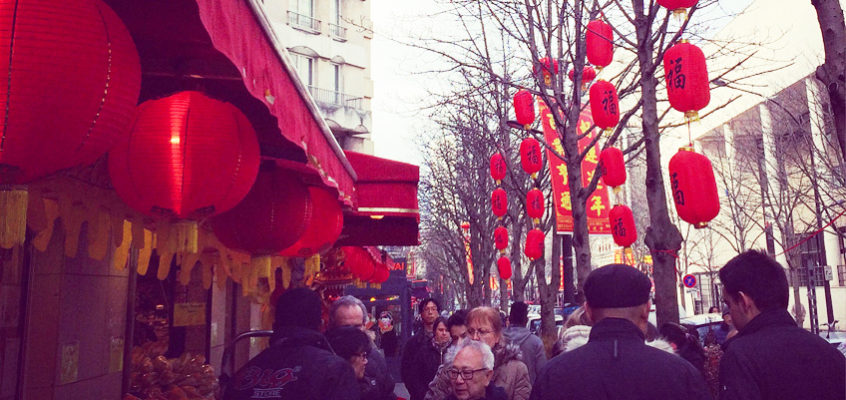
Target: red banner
<point x="598" y="205"/>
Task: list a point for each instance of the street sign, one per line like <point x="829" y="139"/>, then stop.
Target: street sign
<point x="689" y="281"/>
<point x="828" y="273"/>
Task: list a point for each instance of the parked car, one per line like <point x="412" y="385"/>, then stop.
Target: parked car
<point x="535" y="322"/>
<point x="703" y="324"/>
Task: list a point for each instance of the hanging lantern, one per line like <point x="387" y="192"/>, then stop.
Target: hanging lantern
<point x="588" y="74"/>
<point x="524" y="108"/>
<point x="465" y="225"/>
<point x="499" y="202"/>
<point x="534" y="244"/>
<point x="271" y="218"/>
<point x="613" y="167"/>
<point x="187" y="156"/>
<point x="599" y="43"/>
<point x="622" y="225"/>
<point x="503" y="265"/>
<point x="548" y="68"/>
<point x="694" y="187"/>
<point x="498" y="167"/>
<point x="501" y="238"/>
<point x="678" y="7"/>
<point x="604" y="105"/>
<point x="534" y="205"/>
<point x="687" y="79"/>
<point x="530" y="156"/>
<point x="70" y="90"/>
<point x="358" y="262"/>
<point x="324" y="227"/>
<point x="381" y="273"/>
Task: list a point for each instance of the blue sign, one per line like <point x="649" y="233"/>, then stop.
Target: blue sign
<point x="689" y="281"/>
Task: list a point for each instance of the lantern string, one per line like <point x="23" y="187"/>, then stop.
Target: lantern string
<point x="689" y="136"/>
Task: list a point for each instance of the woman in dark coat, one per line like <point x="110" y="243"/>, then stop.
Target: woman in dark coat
<point x="430" y="357"/>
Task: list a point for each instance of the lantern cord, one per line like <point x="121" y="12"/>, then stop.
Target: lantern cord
<point x="689" y="136"/>
<point x="813" y="234"/>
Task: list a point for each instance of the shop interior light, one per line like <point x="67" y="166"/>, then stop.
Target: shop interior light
<point x="377" y="216"/>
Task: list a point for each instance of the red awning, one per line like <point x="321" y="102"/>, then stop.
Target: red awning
<point x="386" y="211"/>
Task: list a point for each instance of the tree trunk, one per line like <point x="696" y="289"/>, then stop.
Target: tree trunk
<point x="519" y="280"/>
<point x="833" y="72"/>
<point x="569" y="285"/>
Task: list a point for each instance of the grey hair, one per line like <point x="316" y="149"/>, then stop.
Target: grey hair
<point x="346" y="301"/>
<point x="478" y="346"/>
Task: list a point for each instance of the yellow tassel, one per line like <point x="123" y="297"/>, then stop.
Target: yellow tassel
<point x="260" y="263"/>
<point x="13" y="202"/>
<point x="186" y="236"/>
<point x="99" y="237"/>
<point x="122" y="251"/>
<point x="164" y="265"/>
<point x="146" y="251"/>
<point x="36" y="217"/>
<point x="187" y="266"/>
<point x="220" y="277"/>
<point x="680" y="15"/>
<point x="691" y="116"/>
<point x="286" y="276"/>
<point x="51" y="212"/>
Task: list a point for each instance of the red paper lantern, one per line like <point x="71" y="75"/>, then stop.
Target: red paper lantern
<point x="613" y="167"/>
<point x="323" y="228"/>
<point x="499" y="202"/>
<point x="694" y="187"/>
<point x="678" y="7"/>
<point x="530" y="156"/>
<point x="465" y="225"/>
<point x="271" y="218"/>
<point x="687" y="79"/>
<point x="604" y="105"/>
<point x="381" y="273"/>
<point x="599" y="43"/>
<point x="622" y="225"/>
<point x="534" y="244"/>
<point x="498" y="167"/>
<point x="524" y="108"/>
<point x="534" y="204"/>
<point x="503" y="265"/>
<point x="548" y="67"/>
<point x="70" y="88"/>
<point x="358" y="262"/>
<point x="187" y="156"/>
<point x="588" y="74"/>
<point x="501" y="238"/>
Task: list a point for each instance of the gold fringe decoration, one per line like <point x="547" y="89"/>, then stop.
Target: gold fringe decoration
<point x="207" y="275"/>
<point x="219" y="276"/>
<point x="286" y="275"/>
<point x="188" y="264"/>
<point x="99" y="233"/>
<point x="51" y="212"/>
<point x="121" y="254"/>
<point x="145" y="250"/>
<point x="187" y="235"/>
<point x="165" y="259"/>
<point x="36" y="218"/>
<point x="13" y="204"/>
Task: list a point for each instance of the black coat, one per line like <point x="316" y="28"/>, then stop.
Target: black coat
<point x="410" y="367"/>
<point x="299" y="364"/>
<point x="617" y="364"/>
<point x="378" y="383"/>
<point x="491" y="393"/>
<point x="772" y="358"/>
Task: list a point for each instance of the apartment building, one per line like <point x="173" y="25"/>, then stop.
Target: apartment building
<point x="329" y="43"/>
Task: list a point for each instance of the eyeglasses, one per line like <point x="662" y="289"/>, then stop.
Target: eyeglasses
<point x="466" y="374"/>
<point x="482" y="332"/>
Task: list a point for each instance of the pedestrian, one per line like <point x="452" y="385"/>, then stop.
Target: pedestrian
<point x="472" y="372"/>
<point x="509" y="373"/>
<point x="430" y="358"/>
<point x="457" y="325"/>
<point x="684" y="344"/>
<point x="534" y="355"/>
<point x="410" y="369"/>
<point x="351" y="344"/>
<point x="616" y="363"/>
<point x="350" y="311"/>
<point x="299" y="360"/>
<point x="387" y="334"/>
<point x="771" y="357"/>
<point x="713" y="310"/>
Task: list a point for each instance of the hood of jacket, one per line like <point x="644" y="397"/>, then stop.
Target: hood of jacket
<point x="505" y="352"/>
<point x="517" y="334"/>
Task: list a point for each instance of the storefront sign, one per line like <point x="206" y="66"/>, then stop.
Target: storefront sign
<point x="189" y="314"/>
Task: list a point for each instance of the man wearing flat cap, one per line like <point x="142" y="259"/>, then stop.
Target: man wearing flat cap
<point x="616" y="363"/>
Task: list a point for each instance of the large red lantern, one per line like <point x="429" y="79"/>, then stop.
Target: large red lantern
<point x="498" y="167"/>
<point x="358" y="262"/>
<point x="534" y="244"/>
<point x="687" y="79"/>
<point x="187" y="156"/>
<point x="622" y="225"/>
<point x="499" y="202"/>
<point x="694" y="187"/>
<point x="70" y="88"/>
<point x="548" y="67"/>
<point x="534" y="204"/>
<point x="324" y="227"/>
<point x="271" y="218"/>
<point x="501" y="238"/>
<point x="604" y="105"/>
<point x="524" y="108"/>
<point x="613" y="167"/>
<point x="678" y="7"/>
<point x="588" y="74"/>
<point x="503" y="265"/>
<point x="465" y="225"/>
<point x="530" y="156"/>
<point x="599" y="43"/>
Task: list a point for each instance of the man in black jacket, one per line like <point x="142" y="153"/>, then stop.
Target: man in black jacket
<point x="299" y="364"/>
<point x="616" y="363"/>
<point x="771" y="357"/>
<point x="409" y="370"/>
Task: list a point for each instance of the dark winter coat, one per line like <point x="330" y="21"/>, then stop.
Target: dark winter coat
<point x="378" y="384"/>
<point x="299" y="364"/>
<point x="534" y="355"/>
<point x="492" y="392"/>
<point x="410" y="369"/>
<point x="428" y="360"/>
<point x="617" y="364"/>
<point x="510" y="374"/>
<point x="772" y="358"/>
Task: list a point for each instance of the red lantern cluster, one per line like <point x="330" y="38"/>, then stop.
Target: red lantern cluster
<point x="187" y="156"/>
<point x="535" y="204"/>
<point x="503" y="265"/>
<point x="687" y="81"/>
<point x="604" y="104"/>
<point x="530" y="156"/>
<point x="613" y="167"/>
<point x="622" y="225"/>
<point x="324" y="227"/>
<point x="358" y="262"/>
<point x="694" y="187"/>
<point x="499" y="202"/>
<point x="534" y="244"/>
<point x="70" y="88"/>
<point x="549" y="67"/>
<point x="524" y="108"/>
<point x="498" y="167"/>
<point x="588" y="74"/>
<point x="501" y="238"/>
<point x="599" y="43"/>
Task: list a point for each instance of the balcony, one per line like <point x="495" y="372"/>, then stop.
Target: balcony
<point x="337" y="99"/>
<point x="338" y="32"/>
<point x="303" y="22"/>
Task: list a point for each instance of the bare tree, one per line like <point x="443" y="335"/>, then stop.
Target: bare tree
<point x="833" y="72"/>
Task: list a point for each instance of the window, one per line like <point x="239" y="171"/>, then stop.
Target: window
<point x="303" y="7"/>
<point x="841" y="274"/>
<point x="336" y="69"/>
<point x="335" y="28"/>
<point x="305" y="68"/>
<point x="301" y="15"/>
<point x="336" y="12"/>
<point x="810" y="253"/>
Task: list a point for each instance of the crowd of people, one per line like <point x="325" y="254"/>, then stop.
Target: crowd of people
<point x="608" y="350"/>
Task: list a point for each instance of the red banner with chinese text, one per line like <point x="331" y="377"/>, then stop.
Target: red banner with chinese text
<point x="598" y="204"/>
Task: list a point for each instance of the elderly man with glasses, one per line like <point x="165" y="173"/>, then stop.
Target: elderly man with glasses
<point x="472" y="371"/>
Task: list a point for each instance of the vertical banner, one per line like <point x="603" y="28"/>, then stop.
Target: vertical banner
<point x="469" y="259"/>
<point x="597" y="205"/>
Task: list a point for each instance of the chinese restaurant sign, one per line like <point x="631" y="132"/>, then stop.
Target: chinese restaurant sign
<point x="598" y="205"/>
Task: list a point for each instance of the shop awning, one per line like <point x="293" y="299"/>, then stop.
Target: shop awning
<point x="386" y="211"/>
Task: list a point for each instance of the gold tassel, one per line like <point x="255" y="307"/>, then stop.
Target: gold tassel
<point x="286" y="275"/>
<point x="13" y="202"/>
<point x="680" y="15"/>
<point x="164" y="265"/>
<point x="691" y="116"/>
<point x="187" y="234"/>
<point x="146" y="249"/>
<point x="122" y="251"/>
<point x="187" y="266"/>
<point x="98" y="234"/>
<point x="207" y="276"/>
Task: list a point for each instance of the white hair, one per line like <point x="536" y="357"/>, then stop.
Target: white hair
<point x="346" y="301"/>
<point x="475" y="345"/>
